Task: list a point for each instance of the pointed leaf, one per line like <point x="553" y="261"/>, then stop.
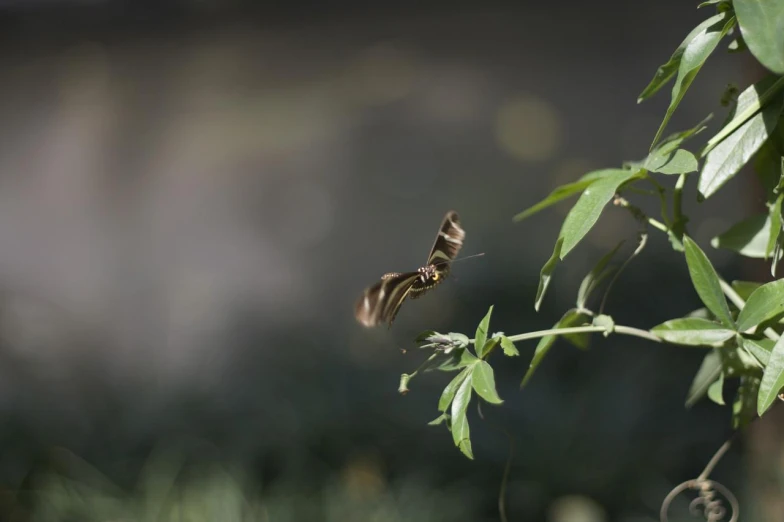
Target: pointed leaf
<point x="668" y="70"/>
<point x="483" y="382"/>
<point x="764" y="303"/>
<point x="561" y="193"/>
<point x="545" y="276"/>
<point x="709" y="371"/>
<point x="588" y="208"/>
<point x="460" y="431"/>
<point x="546" y="342"/>
<point x="455" y="360"/>
<point x="762" y="26"/>
<point x="728" y="157"/>
<point x="509" y="348"/>
<point x="451" y="389"/>
<point x="772" y="378"/>
<point x="706" y="282"/>
<point x="693" y="331"/>
<point x="595" y="277"/>
<point x="748" y="238"/>
<point x="480" y="340"/>
<point x="695" y="53"/>
<point x="716" y="389"/>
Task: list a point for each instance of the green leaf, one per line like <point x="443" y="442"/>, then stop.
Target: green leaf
<point x="775" y="225"/>
<point x="546" y="342"/>
<point x="460" y="431"/>
<point x="693" y="331"/>
<point x="451" y="389"/>
<point x="726" y="158"/>
<point x="772" y="378"/>
<point x="764" y="303"/>
<point x="509" y="348"/>
<point x="483" y="382"/>
<point x="668" y="70"/>
<point x="709" y="371"/>
<point x="595" y="276"/>
<point x="480" y="340"/>
<point x="743" y="407"/>
<point x="702" y="42"/>
<point x="561" y="193"/>
<point x="679" y="161"/>
<point x="715" y="390"/>
<point x="545" y="276"/>
<point x="438" y="420"/>
<point x="748" y="238"/>
<point x="762" y="26"/>
<point x="455" y="360"/>
<point x="585" y="213"/>
<point x="706" y="282"/>
<point x="760" y="349"/>
<point x="745" y="288"/>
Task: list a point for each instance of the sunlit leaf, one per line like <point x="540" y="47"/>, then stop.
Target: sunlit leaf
<point x="709" y="371"/>
<point x="585" y="213"/>
<point x="444" y="417"/>
<point x="679" y="161"/>
<point x="561" y="193"/>
<point x="665" y="72"/>
<point x="702" y="42"/>
<point x="728" y="157"/>
<point x="483" y="382"/>
<point x="764" y="303"/>
<point x="748" y="238"/>
<point x="693" y="331"/>
<point x="706" y="282"/>
<point x="762" y="25"/>
<point x="546" y="274"/>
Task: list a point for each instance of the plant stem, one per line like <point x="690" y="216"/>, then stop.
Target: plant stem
<point x="623" y="330"/>
<point x="623" y="203"/>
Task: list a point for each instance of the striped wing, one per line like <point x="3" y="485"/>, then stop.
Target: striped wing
<point x="380" y="303"/>
<point x="445" y="248"/>
<point x="448" y="241"/>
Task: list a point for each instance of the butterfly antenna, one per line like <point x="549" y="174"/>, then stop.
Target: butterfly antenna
<point x="467" y="257"/>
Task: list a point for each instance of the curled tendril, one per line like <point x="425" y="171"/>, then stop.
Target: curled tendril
<point x="707" y="504"/>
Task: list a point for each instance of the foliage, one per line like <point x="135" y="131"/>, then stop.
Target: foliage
<point x="742" y="323"/>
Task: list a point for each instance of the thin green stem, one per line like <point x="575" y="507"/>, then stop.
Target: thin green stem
<point x="623" y="203"/>
<point x="677" y="199"/>
<point x="623" y="330"/>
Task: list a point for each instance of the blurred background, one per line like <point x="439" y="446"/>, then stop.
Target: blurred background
<point x="195" y="192"/>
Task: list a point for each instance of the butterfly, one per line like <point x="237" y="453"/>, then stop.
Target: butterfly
<point x="381" y="302"/>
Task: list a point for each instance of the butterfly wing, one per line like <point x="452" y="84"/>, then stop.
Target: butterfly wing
<point x="447" y="245"/>
<point x="381" y="302"/>
<point x="448" y="242"/>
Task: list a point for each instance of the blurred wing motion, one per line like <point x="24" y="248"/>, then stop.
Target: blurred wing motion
<point x="381" y="302"/>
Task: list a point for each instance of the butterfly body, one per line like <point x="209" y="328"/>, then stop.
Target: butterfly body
<point x="381" y="302"/>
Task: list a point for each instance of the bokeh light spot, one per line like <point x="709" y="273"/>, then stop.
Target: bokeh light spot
<point x="528" y="128"/>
